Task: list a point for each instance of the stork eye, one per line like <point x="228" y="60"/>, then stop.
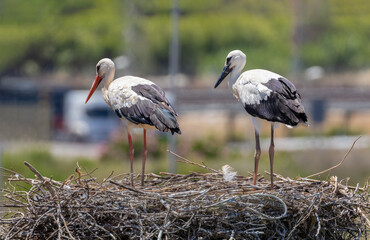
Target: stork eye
<point x="97" y="68"/>
<point x="228" y="59"/>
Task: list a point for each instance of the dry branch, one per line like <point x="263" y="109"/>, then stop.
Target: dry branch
<point x="193" y="163"/>
<point x="340" y="163"/>
<point x="45" y="181"/>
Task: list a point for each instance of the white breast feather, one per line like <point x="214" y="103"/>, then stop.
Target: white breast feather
<point x="248" y="88"/>
<point x="121" y="95"/>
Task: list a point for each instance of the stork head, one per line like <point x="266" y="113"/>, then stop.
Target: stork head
<point x="104" y="67"/>
<point x="235" y="61"/>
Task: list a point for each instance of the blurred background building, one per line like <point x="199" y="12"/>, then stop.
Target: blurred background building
<point x="49" y="50"/>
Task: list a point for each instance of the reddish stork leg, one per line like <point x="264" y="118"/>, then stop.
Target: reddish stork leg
<point x="271" y="154"/>
<point x="144" y="159"/>
<point x="257" y="155"/>
<point x="131" y="158"/>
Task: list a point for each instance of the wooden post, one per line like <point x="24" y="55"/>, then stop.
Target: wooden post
<point x="173" y="71"/>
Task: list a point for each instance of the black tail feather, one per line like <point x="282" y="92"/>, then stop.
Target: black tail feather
<point x="165" y="120"/>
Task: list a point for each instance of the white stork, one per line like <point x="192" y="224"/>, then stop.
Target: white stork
<point x="138" y="102"/>
<point x="264" y="95"/>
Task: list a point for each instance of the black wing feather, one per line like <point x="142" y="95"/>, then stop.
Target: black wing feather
<point x="154" y="110"/>
<point x="155" y="94"/>
<point x="283" y="105"/>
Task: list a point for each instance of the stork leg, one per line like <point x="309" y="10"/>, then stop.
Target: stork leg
<point x="257" y="155"/>
<point x="271" y="154"/>
<point x="131" y="146"/>
<point x="144" y="159"/>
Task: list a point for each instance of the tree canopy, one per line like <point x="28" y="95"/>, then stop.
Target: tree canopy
<point x="73" y="35"/>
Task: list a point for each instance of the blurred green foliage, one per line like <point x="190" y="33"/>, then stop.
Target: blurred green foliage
<point x="208" y="147"/>
<point x="342" y="130"/>
<point x="44" y="162"/>
<point x="72" y="35"/>
<point x="58" y="34"/>
<point x="118" y="149"/>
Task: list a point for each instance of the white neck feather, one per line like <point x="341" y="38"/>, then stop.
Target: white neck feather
<point x="235" y="74"/>
<point x="109" y="77"/>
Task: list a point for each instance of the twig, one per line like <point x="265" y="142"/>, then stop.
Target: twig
<point x="166" y="224"/>
<point x="232" y="236"/>
<point x="367" y="221"/>
<point x="11" y="171"/>
<point x="77" y="170"/>
<point x="41" y="178"/>
<point x="126" y="187"/>
<point x="194" y="163"/>
<point x="340" y="163"/>
<point x="64" y="221"/>
<point x="60" y="230"/>
<point x="66" y="181"/>
<point x="318" y="225"/>
<point x="110" y="175"/>
<point x="16" y="200"/>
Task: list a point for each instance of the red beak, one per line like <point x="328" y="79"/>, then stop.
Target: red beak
<point x="93" y="87"/>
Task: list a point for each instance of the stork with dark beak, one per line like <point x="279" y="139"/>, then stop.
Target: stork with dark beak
<point x="264" y="95"/>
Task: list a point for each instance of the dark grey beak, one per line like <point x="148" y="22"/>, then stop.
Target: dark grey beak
<point x="224" y="73"/>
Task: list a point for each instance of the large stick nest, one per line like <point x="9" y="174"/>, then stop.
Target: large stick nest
<point x="174" y="206"/>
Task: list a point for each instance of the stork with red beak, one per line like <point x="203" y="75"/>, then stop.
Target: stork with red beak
<point x="138" y="102"/>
